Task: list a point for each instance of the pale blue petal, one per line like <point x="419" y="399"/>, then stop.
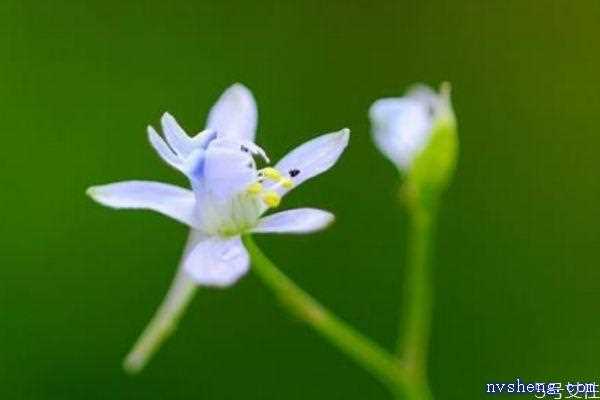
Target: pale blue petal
<point x="424" y="95"/>
<point x="217" y="261"/>
<point x="227" y="172"/>
<point x="300" y="220"/>
<point x="204" y="138"/>
<point x="193" y="166"/>
<point x="234" y="116"/>
<point x="179" y="141"/>
<point x="172" y="201"/>
<point x="401" y="126"/>
<point x="313" y="157"/>
<point x="163" y="150"/>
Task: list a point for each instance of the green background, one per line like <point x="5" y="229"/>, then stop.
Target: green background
<point x="516" y="274"/>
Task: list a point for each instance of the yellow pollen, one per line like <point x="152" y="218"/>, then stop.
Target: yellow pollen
<point x="287" y="183"/>
<point x="271" y="173"/>
<point x="254" y="188"/>
<point x="271" y="198"/>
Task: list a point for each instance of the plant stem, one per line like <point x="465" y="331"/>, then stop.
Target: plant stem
<point x="164" y="322"/>
<point x="363" y="350"/>
<point x="417" y="307"/>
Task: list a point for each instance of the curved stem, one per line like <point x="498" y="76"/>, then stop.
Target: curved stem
<point x="417" y="307"/>
<point x="163" y="323"/>
<point x="363" y="350"/>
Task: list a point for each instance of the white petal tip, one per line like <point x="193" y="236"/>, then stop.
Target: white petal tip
<point x="240" y="94"/>
<point x="151" y="131"/>
<point x="239" y="87"/>
<point x="328" y="220"/>
<point x="238" y="91"/>
<point x="211" y="280"/>
<point x="344" y="136"/>
<point x="326" y="223"/>
<point x="92" y="191"/>
<point x="98" y="195"/>
<point x="295" y="221"/>
<point x="216" y="284"/>
<point x="133" y="365"/>
<point x="166" y="116"/>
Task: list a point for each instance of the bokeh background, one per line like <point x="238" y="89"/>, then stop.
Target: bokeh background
<point x="516" y="272"/>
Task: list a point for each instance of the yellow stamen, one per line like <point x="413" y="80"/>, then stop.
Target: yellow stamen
<point x="287" y="183"/>
<point x="271" y="198"/>
<point x="271" y="173"/>
<point x="254" y="188"/>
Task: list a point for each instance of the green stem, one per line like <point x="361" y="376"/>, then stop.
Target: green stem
<point x="418" y="298"/>
<point x="363" y="350"/>
<point x="165" y="319"/>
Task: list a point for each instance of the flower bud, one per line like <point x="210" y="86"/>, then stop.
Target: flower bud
<point x="417" y="133"/>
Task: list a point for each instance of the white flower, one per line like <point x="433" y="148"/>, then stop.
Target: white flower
<point x="229" y="194"/>
<point x="402" y="127"/>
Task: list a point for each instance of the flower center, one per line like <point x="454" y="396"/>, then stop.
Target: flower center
<point x="269" y="196"/>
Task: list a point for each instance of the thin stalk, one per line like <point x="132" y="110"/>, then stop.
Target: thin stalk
<point x="413" y="344"/>
<point x="361" y="349"/>
<point x="165" y="320"/>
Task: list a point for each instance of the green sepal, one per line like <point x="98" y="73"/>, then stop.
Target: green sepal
<point x="433" y="168"/>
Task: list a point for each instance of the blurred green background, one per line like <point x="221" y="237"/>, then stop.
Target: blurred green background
<point x="518" y="285"/>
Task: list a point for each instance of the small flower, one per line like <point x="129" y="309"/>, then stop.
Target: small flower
<point x="403" y="127"/>
<point x="229" y="193"/>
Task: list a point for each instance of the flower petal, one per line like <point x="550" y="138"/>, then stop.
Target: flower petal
<point x="163" y="150"/>
<point x="234" y="115"/>
<point x="424" y="95"/>
<point x="300" y="220"/>
<point x="179" y="141"/>
<point x="313" y="157"/>
<point x="203" y="139"/>
<point x="172" y="201"/>
<point x="227" y="171"/>
<point x="401" y="126"/>
<point x="217" y="261"/>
